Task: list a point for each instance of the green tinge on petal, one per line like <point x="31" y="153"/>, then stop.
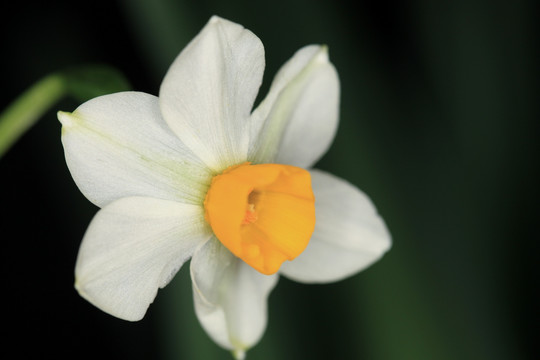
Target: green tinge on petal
<point x="239" y="354"/>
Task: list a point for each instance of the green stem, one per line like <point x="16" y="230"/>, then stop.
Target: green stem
<point x="81" y="83"/>
<point x="26" y="110"/>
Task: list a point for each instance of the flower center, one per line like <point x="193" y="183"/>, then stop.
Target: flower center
<point x="264" y="214"/>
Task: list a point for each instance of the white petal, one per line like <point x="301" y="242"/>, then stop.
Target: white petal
<point x="208" y="93"/>
<point x="230" y="297"/>
<point x="349" y="234"/>
<point x="118" y="145"/>
<point x="134" y="246"/>
<point x="297" y="121"/>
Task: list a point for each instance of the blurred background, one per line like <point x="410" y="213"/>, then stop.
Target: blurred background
<point x="438" y="126"/>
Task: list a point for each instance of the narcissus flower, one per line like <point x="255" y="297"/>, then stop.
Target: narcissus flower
<point x="197" y="174"/>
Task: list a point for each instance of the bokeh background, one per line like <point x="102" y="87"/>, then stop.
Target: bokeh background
<point x="438" y="125"/>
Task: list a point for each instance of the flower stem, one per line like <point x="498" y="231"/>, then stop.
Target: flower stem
<point x="81" y="83"/>
<point x="24" y="111"/>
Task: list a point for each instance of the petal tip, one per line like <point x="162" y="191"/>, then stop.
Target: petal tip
<point x="76" y="285"/>
<point x="322" y="55"/>
<point x="214" y="19"/>
<point x="64" y="118"/>
<point x="239" y="354"/>
<point x="124" y="313"/>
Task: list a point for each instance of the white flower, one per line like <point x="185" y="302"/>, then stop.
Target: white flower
<point x="173" y="178"/>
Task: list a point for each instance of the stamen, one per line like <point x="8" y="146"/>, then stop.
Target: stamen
<point x="251" y="215"/>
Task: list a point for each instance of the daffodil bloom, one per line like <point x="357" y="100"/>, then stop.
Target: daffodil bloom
<point x="195" y="173"/>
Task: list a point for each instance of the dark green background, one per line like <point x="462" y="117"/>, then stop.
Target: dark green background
<point x="438" y="125"/>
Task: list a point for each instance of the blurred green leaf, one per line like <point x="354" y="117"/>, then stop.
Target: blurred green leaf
<point x="86" y="82"/>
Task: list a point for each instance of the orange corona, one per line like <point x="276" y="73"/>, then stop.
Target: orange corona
<point x="264" y="214"/>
